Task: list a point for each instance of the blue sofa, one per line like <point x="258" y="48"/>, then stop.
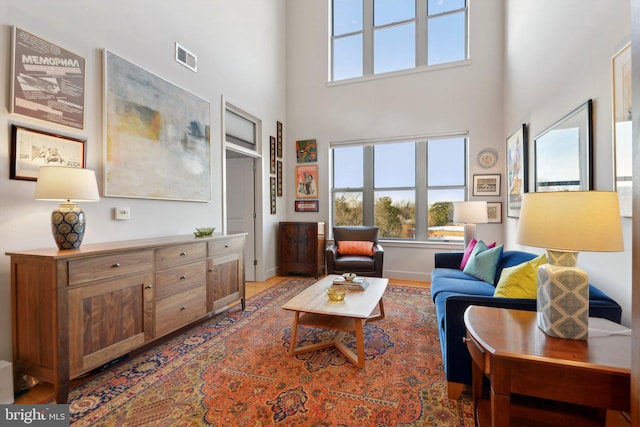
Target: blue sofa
<point x="453" y="291"/>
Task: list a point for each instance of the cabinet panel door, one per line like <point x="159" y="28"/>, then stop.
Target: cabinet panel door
<point x="106" y="320"/>
<point x="307" y="242"/>
<point x="289" y="243"/>
<point x="225" y="280"/>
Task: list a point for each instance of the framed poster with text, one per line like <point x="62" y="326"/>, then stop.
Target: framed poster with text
<point x="48" y="82"/>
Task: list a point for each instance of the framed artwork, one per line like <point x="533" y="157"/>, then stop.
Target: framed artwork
<point x="486" y="185"/>
<point x="494" y="211"/>
<point x="272" y="193"/>
<point x="307" y="182"/>
<point x="517" y="174"/>
<point x="306" y="205"/>
<point x="306" y="151"/>
<point x="279" y="178"/>
<point x="622" y="103"/>
<point x="48" y="82"/>
<point x="152" y="127"/>
<point x="31" y="149"/>
<point x="272" y="155"/>
<point x="279" y="139"/>
<point x="563" y="160"/>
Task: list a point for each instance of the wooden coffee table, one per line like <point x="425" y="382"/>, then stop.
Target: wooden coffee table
<point x="313" y="308"/>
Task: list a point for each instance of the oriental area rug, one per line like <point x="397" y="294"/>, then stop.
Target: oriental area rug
<point x="235" y="370"/>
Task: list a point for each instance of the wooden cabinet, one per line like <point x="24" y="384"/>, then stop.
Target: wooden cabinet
<point x="75" y="310"/>
<point x="302" y="247"/>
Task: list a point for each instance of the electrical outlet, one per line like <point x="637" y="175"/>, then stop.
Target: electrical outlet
<point x="122" y="213"/>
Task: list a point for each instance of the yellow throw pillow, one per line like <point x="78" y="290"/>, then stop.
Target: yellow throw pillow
<point x="520" y="281"/>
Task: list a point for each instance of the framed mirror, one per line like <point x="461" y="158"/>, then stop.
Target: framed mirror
<point x="563" y="160"/>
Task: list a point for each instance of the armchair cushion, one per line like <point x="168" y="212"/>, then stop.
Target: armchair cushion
<point x="355" y="247"/>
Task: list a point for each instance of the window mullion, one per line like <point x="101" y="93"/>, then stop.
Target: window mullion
<point x="367" y="38"/>
<point x="421" y="32"/>
<point x="421" y="191"/>
<point x="368" y="202"/>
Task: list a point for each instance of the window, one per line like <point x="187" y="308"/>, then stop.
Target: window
<point x="380" y="36"/>
<point x="239" y="130"/>
<point x="406" y="188"/>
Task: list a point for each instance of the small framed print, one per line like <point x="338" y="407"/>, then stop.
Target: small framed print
<point x="31" y="149"/>
<point x="306" y="151"/>
<point x="272" y="155"/>
<point x="279" y="178"/>
<point x="486" y="185"/>
<point x="494" y="211"/>
<point x="306" y="206"/>
<point x="272" y="191"/>
<point x="279" y="140"/>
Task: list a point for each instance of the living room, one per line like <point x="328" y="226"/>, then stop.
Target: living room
<point x="531" y="62"/>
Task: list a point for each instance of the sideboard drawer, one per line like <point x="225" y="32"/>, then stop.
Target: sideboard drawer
<point x="181" y="309"/>
<point x="89" y="269"/>
<point x="177" y="279"/>
<point x="180" y="254"/>
<point x="225" y="246"/>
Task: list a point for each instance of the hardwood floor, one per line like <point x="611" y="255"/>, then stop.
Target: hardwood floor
<point x="44" y="391"/>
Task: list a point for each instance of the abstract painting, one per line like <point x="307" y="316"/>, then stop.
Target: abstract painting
<point x="157" y="136"/>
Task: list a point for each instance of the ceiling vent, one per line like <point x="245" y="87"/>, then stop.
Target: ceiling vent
<point x="186" y="58"/>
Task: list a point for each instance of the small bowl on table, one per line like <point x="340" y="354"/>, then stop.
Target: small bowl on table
<point x="336" y="293"/>
<point x="349" y="276"/>
<point x="204" y="231"/>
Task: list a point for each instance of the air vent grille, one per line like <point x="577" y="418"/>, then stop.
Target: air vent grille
<point x="186" y="58"/>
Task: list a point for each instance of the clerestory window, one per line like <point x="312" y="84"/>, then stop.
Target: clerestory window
<point x="380" y="36"/>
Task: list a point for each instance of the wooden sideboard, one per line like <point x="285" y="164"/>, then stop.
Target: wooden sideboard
<point x="76" y="310"/>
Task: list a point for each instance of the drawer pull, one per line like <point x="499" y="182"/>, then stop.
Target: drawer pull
<point x="148" y="286"/>
<point x="116" y="265"/>
<point x="183" y="308"/>
<point x="183" y="254"/>
<point x="183" y="277"/>
<point x="211" y="269"/>
<point x="465" y="339"/>
<point x="226" y="246"/>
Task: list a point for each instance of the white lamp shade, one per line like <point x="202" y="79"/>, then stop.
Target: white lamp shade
<point x="470" y="212"/>
<point x="64" y="183"/>
<point x="571" y="221"/>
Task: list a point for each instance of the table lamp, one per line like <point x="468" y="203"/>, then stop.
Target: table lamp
<point x="564" y="223"/>
<point x="470" y="213"/>
<point x="68" y="185"/>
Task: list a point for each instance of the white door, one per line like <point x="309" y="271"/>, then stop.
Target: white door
<point x="241" y="207"/>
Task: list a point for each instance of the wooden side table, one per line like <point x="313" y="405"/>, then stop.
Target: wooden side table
<point x="508" y="347"/>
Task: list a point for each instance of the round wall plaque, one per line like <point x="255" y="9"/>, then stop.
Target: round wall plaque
<point x="487" y="158"/>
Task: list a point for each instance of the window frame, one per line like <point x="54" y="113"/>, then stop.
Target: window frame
<point x="421" y="20"/>
<point x="421" y="188"/>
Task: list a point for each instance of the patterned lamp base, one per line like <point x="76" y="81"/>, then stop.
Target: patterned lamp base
<point x="67" y="225"/>
<point x="563" y="301"/>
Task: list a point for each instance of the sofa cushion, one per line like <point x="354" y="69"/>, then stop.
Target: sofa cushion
<point x="355" y="247"/>
<point x="469" y="249"/>
<point x="520" y="281"/>
<point x="483" y="262"/>
<point x="458" y="286"/>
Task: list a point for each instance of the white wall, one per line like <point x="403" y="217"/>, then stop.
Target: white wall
<point x="558" y="55"/>
<point x="240" y="55"/>
<point x="468" y="97"/>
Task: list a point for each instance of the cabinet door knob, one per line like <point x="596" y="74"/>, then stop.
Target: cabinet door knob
<point x="149" y="286"/>
<point x="116" y="265"/>
<point x="183" y="277"/>
<point x="183" y="308"/>
<point x="465" y="339"/>
<point x="183" y="253"/>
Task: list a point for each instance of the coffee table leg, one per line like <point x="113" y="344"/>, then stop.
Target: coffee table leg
<point x="359" y="342"/>
<point x="294" y="332"/>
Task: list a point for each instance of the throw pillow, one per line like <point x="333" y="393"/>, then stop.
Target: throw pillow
<point x="483" y="262"/>
<point x="469" y="249"/>
<point x="355" y="247"/>
<point x="520" y="281"/>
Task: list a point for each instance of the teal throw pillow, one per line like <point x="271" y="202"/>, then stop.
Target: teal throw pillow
<point x="483" y="262"/>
